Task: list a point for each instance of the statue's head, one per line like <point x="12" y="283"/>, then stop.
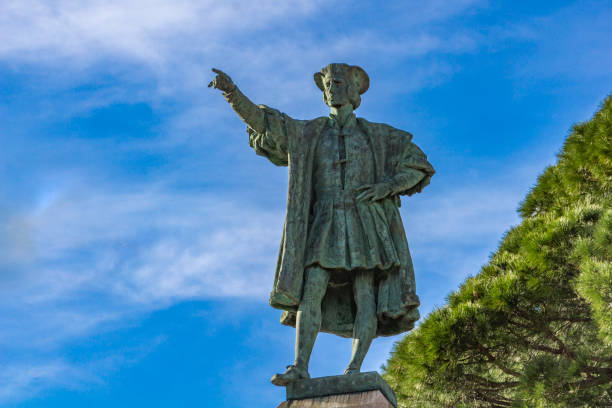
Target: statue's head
<point x="342" y="84"/>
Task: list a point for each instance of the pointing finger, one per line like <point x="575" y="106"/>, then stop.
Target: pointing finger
<point x="218" y="71"/>
<point x="365" y="187"/>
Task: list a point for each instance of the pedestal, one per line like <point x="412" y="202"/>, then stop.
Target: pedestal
<point x="366" y="390"/>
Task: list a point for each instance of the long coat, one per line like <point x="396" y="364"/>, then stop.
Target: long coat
<point x="290" y="142"/>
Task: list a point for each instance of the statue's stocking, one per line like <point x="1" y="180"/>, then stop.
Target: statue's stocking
<point x="365" y="326"/>
<point x="308" y="321"/>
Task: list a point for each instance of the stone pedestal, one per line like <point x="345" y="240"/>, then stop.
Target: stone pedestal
<point x="366" y="390"/>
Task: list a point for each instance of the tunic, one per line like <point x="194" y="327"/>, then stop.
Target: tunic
<point x="342" y="234"/>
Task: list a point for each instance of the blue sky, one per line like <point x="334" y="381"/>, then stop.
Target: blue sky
<point x="139" y="232"/>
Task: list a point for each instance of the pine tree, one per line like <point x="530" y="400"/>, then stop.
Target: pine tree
<point x="534" y="327"/>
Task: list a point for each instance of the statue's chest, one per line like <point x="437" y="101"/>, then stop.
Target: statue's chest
<point x="343" y="159"/>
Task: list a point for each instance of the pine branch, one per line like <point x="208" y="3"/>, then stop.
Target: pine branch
<point x="496" y="403"/>
<point x="495" y="362"/>
<point x="490" y="383"/>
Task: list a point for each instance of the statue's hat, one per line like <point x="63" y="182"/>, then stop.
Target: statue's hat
<point x="350" y="71"/>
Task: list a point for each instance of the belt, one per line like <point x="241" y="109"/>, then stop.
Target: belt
<point x="340" y="198"/>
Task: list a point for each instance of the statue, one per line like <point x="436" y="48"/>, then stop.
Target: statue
<point x="344" y="266"/>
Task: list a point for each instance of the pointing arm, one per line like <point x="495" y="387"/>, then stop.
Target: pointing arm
<point x="250" y="113"/>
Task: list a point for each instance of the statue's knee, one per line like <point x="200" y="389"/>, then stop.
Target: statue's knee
<point x="367" y="309"/>
<point x="315" y="286"/>
<point x="372" y="324"/>
<point x="363" y="285"/>
<point x="310" y="299"/>
<point x="366" y="322"/>
<point x="316" y="276"/>
<point x="364" y="297"/>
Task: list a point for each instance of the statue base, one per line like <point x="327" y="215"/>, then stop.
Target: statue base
<point x="367" y="390"/>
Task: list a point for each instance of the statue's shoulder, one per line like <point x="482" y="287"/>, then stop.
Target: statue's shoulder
<point x="383" y="129"/>
<point x="269" y="110"/>
<point x="320" y="120"/>
<point x="316" y="123"/>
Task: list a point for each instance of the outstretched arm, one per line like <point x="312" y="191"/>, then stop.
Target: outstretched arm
<point x="269" y="130"/>
<point x="250" y="113"/>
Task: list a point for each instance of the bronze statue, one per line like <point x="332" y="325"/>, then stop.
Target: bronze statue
<point x="344" y="266"/>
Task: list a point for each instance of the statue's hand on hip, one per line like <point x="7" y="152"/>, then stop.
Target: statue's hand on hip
<point x="373" y="192"/>
<point x="222" y="81"/>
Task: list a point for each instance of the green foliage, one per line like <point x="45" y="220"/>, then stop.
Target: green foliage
<point x="534" y="327"/>
<point x="594" y="283"/>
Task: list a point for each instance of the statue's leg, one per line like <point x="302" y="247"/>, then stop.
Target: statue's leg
<point x="308" y="321"/>
<point x="365" y="320"/>
<point x="307" y="325"/>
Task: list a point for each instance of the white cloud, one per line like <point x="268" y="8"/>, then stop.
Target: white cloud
<point x="18" y="380"/>
<point x="133" y="28"/>
<point x="570" y="41"/>
<point x="166" y="245"/>
<point x="23" y="378"/>
<point x="166" y="48"/>
<point x="467" y="215"/>
<point x="97" y="260"/>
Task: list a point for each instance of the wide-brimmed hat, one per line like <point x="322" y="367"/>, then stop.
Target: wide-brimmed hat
<point x="351" y="71"/>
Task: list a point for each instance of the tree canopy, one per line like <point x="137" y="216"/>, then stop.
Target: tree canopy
<point x="534" y="327"/>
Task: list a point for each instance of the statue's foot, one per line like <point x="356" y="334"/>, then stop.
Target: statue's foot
<point x="292" y="374"/>
<point x="350" y="370"/>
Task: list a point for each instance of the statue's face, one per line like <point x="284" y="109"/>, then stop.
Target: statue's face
<point x="336" y="90"/>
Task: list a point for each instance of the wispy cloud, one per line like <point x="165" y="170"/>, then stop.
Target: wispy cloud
<point x="146" y="30"/>
<point x="175" y="43"/>
<point x="159" y="242"/>
<point x="95" y="259"/>
<point x="23" y="378"/>
<point x="19" y="380"/>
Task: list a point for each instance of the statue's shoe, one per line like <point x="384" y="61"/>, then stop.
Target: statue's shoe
<point x="350" y="370"/>
<point x="292" y="374"/>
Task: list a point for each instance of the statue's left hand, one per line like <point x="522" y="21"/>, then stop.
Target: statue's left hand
<point x="373" y="192"/>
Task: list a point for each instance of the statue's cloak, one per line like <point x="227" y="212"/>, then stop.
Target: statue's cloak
<point x="290" y="142"/>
